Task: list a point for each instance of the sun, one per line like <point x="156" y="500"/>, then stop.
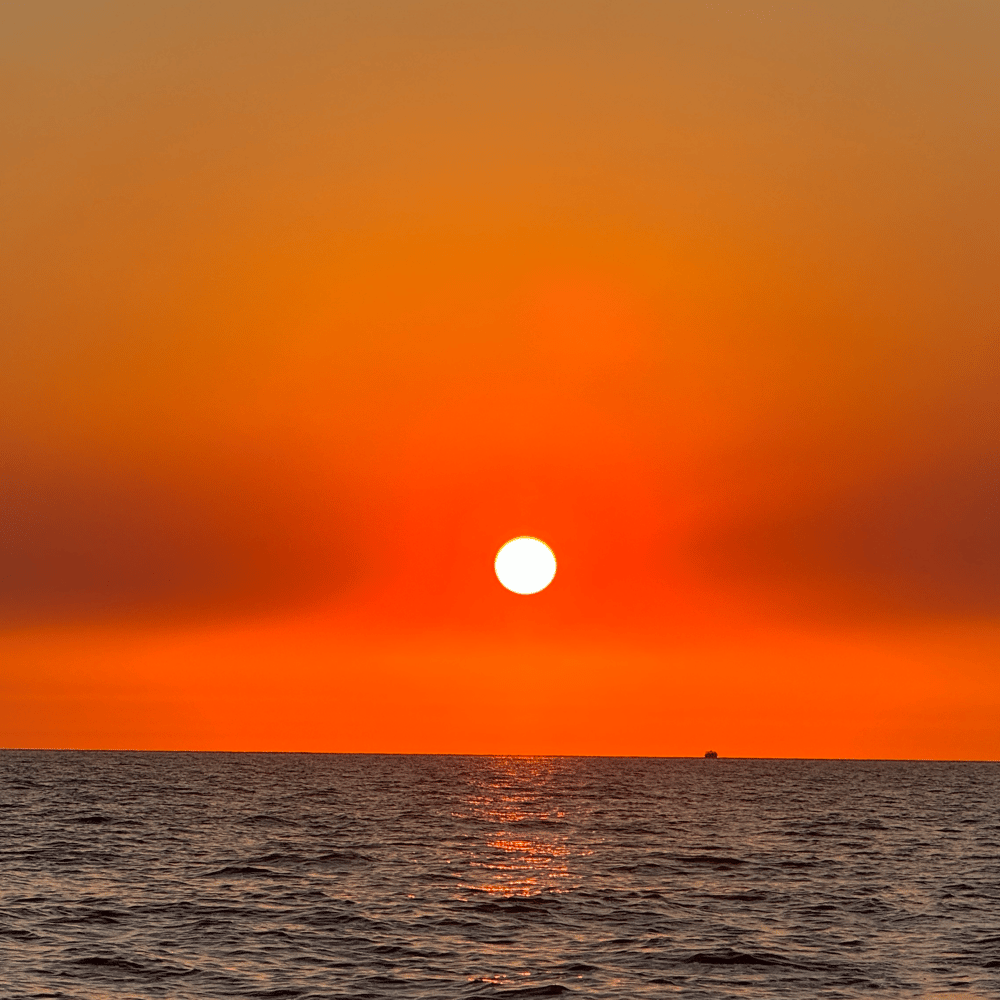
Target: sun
<point x="525" y="565"/>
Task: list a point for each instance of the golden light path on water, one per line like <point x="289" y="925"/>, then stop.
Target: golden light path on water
<point x="523" y="856"/>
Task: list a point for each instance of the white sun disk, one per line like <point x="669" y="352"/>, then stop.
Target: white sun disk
<point x="525" y="565"/>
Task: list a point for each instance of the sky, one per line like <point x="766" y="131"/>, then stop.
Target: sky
<point x="305" y="309"/>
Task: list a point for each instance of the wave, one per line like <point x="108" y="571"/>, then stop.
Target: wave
<point x="729" y="956"/>
<point x="245" y="871"/>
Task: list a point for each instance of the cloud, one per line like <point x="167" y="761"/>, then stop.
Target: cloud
<point x="923" y="541"/>
<point x="216" y="535"/>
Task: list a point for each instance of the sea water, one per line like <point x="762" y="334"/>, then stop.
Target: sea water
<point x="188" y="875"/>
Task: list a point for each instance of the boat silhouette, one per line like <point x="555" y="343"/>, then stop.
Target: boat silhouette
<point x="711" y="753"/>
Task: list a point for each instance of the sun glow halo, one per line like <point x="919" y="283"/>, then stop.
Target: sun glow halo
<point x="525" y="565"/>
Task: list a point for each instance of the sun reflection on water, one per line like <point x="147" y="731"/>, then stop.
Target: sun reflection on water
<point x="525" y="850"/>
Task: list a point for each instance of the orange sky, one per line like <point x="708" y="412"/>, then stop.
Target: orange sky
<point x="306" y="309"/>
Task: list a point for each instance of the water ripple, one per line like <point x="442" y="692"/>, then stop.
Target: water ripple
<point x="184" y="876"/>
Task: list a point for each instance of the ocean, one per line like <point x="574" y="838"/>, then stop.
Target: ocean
<point x="194" y="875"/>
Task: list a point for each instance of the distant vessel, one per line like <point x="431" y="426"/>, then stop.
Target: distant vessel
<point x="711" y="753"/>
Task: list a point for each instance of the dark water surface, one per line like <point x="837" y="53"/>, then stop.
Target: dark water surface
<point x="280" y="875"/>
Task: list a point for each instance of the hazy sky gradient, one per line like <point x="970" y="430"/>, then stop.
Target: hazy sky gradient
<point x="306" y="308"/>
